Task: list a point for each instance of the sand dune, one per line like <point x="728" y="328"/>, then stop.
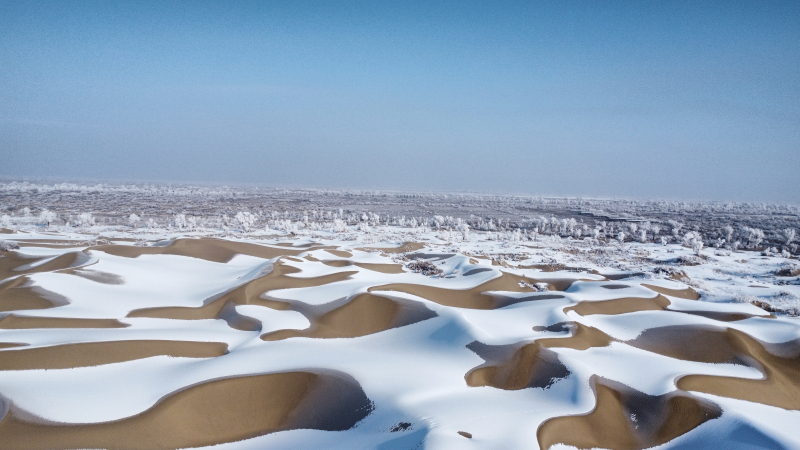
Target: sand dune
<point x="340" y="253"/>
<point x="583" y="337"/>
<point x="688" y="293"/>
<point x="209" y="249"/>
<point x="780" y="366"/>
<point x="97" y="353"/>
<point x="620" y="306"/>
<point x="514" y="367"/>
<point x="208" y="413"/>
<point x="222" y="306"/>
<point x="475" y="298"/>
<point x="15" y="322"/>
<point x="362" y="315"/>
<point x="625" y="419"/>
<point x="12" y="264"/>
<point x="19" y="294"/>
<point x="382" y="268"/>
<point x="427" y="385"/>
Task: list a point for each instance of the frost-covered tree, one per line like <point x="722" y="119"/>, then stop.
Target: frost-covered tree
<point x="339" y="226"/>
<point x="47" y="217"/>
<point x="788" y="235"/>
<point x="676" y="227"/>
<point x="729" y="233"/>
<point x="464" y="230"/>
<point x="754" y="236"/>
<point x="179" y="220"/>
<point x="247" y="220"/>
<point x="133" y="219"/>
<point x="694" y="240"/>
<point x="85" y="220"/>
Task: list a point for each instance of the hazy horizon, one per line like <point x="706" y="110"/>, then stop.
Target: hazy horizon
<point x="670" y="100"/>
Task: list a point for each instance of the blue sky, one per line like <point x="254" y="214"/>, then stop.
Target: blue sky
<point x="695" y="100"/>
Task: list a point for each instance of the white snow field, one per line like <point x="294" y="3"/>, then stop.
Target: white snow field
<point x="387" y="339"/>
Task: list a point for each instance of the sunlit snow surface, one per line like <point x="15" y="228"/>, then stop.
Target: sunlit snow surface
<point x="420" y="348"/>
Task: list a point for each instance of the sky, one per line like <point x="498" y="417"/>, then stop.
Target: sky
<point x="661" y="99"/>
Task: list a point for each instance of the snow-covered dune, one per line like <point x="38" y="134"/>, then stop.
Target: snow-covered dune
<point x="298" y="343"/>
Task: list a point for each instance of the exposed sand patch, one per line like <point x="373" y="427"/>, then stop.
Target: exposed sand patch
<point x="14" y="322"/>
<point x="222" y="306"/>
<point x="19" y="294"/>
<point x="209" y="413"/>
<point x="337" y="263"/>
<point x="626" y="419"/>
<point x="375" y="267"/>
<point x="98" y="353"/>
<point x="475" y="298"/>
<point x="405" y="248"/>
<point x="340" y="253"/>
<point x="780" y="363"/>
<point x="209" y="249"/>
<point x="12" y="264"/>
<point x="514" y="367"/>
<point x="362" y="315"/>
<point x="721" y="316"/>
<point x="688" y="293"/>
<point x="11" y="345"/>
<point x="382" y="268"/>
<point x="583" y="337"/>
<point x="620" y="306"/>
<point x="6" y="231"/>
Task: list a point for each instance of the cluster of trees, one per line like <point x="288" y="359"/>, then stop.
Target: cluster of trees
<point x="729" y="225"/>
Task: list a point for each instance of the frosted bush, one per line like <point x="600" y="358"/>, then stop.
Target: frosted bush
<point x="6" y="246"/>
